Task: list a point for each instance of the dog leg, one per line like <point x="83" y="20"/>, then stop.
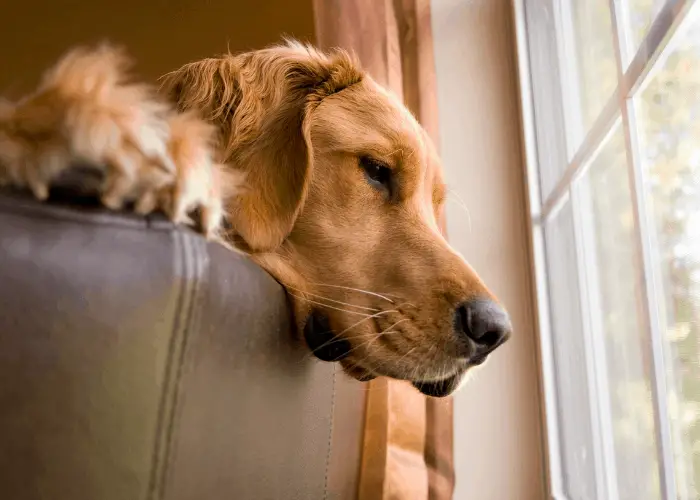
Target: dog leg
<point x="85" y="113"/>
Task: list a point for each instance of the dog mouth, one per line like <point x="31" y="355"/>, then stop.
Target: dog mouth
<point x="322" y="340"/>
<point x="439" y="388"/>
<point x="327" y="346"/>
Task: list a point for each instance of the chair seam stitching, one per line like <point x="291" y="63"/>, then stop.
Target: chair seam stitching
<point x="330" y="436"/>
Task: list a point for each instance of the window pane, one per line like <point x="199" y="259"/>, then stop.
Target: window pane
<point x="668" y="115"/>
<point x="592" y="70"/>
<point x="546" y="94"/>
<point x="569" y="353"/>
<point x="638" y="16"/>
<point x="617" y="312"/>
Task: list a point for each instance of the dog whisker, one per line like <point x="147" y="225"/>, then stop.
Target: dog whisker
<point x="403" y="154"/>
<point x="329" y="306"/>
<point x="365" y="319"/>
<point x="332" y="341"/>
<point x="442" y="369"/>
<point x="432" y="353"/>
<point x="386" y="330"/>
<point x="362" y="344"/>
<point x="460" y="202"/>
<point x="400" y="150"/>
<point x="358" y="364"/>
<point x="332" y="300"/>
<point x="337" y="338"/>
<point x="355" y="290"/>
<point x="375" y="337"/>
<point x="408" y="353"/>
<point x="326" y="344"/>
<point x="311" y="353"/>
<point x="415" y="371"/>
<point x="392" y="295"/>
<point x="408" y="304"/>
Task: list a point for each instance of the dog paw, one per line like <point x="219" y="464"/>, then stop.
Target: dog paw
<point x="86" y="116"/>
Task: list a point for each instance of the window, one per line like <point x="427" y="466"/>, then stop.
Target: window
<point x="611" y="100"/>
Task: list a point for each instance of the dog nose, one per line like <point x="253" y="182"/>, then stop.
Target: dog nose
<point x="484" y="324"/>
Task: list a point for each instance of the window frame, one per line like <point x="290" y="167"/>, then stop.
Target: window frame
<point x="618" y="109"/>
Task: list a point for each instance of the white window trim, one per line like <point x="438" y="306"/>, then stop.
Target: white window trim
<point x="619" y="107"/>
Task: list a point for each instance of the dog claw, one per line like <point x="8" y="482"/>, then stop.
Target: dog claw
<point x="210" y="217"/>
<point x="112" y="202"/>
<point x="40" y="191"/>
<point x="146" y="203"/>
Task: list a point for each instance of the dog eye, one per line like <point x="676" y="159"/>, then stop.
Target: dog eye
<point x="378" y="174"/>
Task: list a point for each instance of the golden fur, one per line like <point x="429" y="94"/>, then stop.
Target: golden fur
<point x="293" y="122"/>
<point x="85" y="111"/>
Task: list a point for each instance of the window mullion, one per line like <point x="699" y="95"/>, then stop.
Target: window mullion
<point x="652" y="346"/>
<point x="594" y="333"/>
<point x="662" y="29"/>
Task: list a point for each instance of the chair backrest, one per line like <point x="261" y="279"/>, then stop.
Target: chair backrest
<point x="138" y="361"/>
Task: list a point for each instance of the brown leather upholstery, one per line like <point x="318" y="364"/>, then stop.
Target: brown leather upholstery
<point x="138" y="361"/>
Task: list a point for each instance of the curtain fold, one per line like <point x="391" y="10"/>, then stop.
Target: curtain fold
<point x="408" y="438"/>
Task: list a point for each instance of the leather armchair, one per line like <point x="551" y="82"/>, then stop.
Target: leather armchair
<point x="138" y="361"/>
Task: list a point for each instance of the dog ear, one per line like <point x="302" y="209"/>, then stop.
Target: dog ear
<point x="262" y="104"/>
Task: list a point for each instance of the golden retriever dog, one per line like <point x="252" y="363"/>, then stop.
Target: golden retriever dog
<point x="297" y="158"/>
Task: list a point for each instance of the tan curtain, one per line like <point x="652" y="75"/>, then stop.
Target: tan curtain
<point x="407" y="451"/>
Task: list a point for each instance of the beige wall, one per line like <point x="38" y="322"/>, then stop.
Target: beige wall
<point x="498" y="436"/>
<point x="161" y="34"/>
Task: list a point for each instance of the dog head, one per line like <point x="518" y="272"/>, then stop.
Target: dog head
<point x="344" y="193"/>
